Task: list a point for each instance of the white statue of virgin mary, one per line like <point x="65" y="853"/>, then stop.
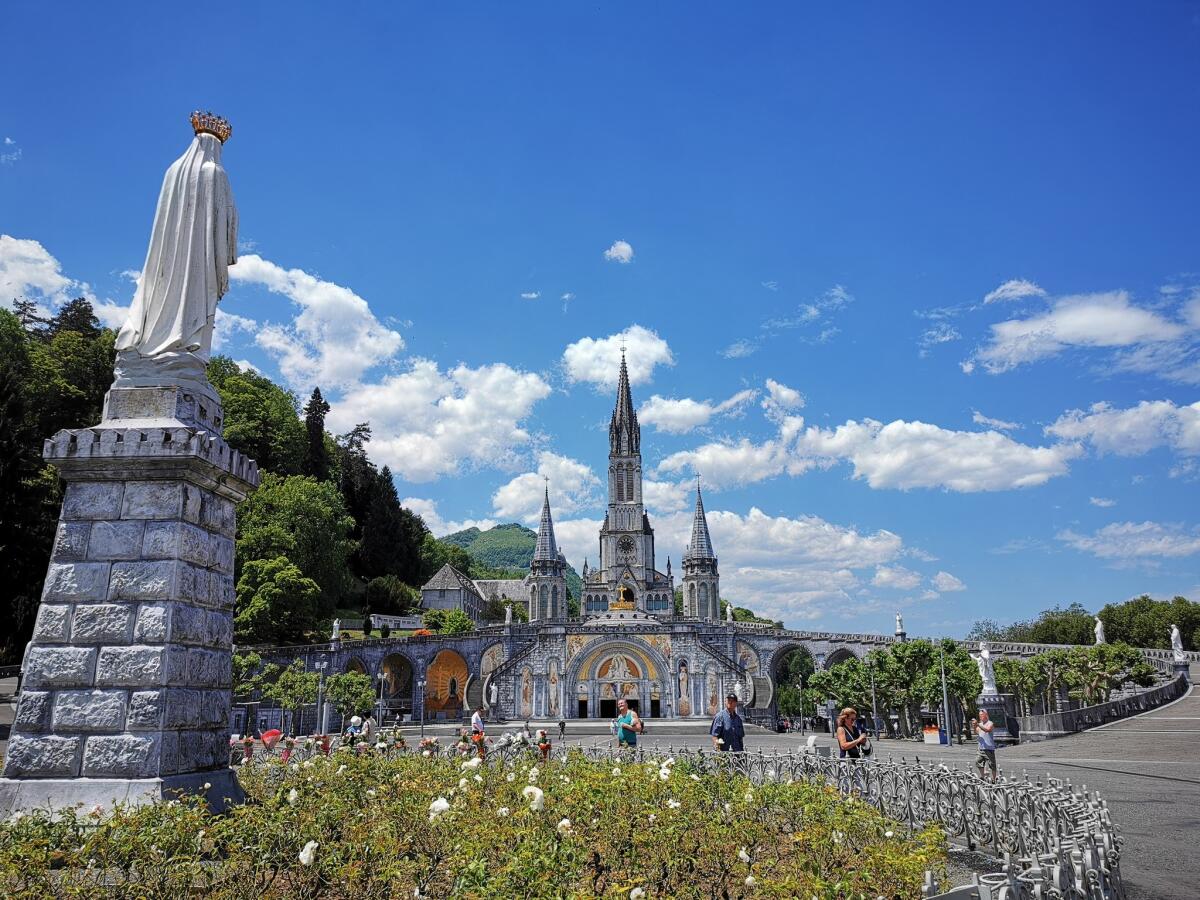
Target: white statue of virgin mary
<point x="168" y="336"/>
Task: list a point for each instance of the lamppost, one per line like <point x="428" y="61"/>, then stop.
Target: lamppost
<point x="382" y="676"/>
<point x="421" y="688"/>
<point x="321" y="667"/>
<point x="874" y="706"/>
<point x="945" y="694"/>
<point x="800" y="692"/>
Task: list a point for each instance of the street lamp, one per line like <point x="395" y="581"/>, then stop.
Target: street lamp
<point x="321" y="667"/>
<point x="800" y="692"/>
<point x="874" y="706"/>
<point x="421" y="688"/>
<point x="945" y="695"/>
<point x="381" y="676"/>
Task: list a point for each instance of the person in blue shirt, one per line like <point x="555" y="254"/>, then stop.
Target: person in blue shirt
<point x="628" y="725"/>
<point x="727" y="729"/>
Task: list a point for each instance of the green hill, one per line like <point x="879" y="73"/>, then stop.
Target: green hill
<point x="508" y="546"/>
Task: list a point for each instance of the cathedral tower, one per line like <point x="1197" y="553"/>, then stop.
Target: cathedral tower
<point x="547" y="579"/>
<point x="701" y="581"/>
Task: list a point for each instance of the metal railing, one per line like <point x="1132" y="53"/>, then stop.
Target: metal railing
<point x="1036" y="728"/>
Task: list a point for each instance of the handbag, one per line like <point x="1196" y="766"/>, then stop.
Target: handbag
<point x="866" y="747"/>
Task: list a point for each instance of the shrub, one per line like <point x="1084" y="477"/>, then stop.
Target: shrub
<point x="410" y="826"/>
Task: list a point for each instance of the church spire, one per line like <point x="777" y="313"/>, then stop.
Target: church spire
<point x="624" y="434"/>
<point x="700" y="546"/>
<point x="547" y="547"/>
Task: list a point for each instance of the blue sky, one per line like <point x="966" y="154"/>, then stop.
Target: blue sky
<point x="895" y="258"/>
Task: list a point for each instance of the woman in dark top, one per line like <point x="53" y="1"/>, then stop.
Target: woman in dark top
<point x="849" y="738"/>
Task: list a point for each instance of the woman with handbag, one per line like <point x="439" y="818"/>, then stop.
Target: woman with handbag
<point x="850" y="739"/>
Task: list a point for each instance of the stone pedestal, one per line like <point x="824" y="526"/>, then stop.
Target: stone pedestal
<point x="1181" y="668"/>
<point x="1000" y="709"/>
<point x="127" y="681"/>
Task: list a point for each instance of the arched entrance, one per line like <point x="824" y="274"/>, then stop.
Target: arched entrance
<point x="791" y="668"/>
<point x="397" y="686"/>
<point x="445" y="684"/>
<point x="616" y="670"/>
<point x="354" y="664"/>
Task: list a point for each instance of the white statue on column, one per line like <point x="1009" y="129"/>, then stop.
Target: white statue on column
<point x="168" y="335"/>
<point x="983" y="660"/>
<point x="1177" y="645"/>
<point x="508" y="614"/>
<point x="1099" y="629"/>
<point x="729" y="612"/>
<point x="899" y="623"/>
<point x="337" y="628"/>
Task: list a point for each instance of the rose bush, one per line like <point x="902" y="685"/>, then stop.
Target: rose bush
<point x="406" y="825"/>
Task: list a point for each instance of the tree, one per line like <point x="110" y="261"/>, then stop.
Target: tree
<point x="435" y="554"/>
<point x="1145" y="622"/>
<point x="435" y="620"/>
<point x="275" y="602"/>
<point x="390" y="596"/>
<point x="316" y="453"/>
<point x="247" y="671"/>
<point x="457" y="622"/>
<point x="306" y="521"/>
<point x="986" y="630"/>
<point x="351" y="693"/>
<point x="292" y="688"/>
<point x="260" y="418"/>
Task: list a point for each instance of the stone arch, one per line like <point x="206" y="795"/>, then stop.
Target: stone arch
<point x="747" y="657"/>
<point x="839" y="655"/>
<point x="356" y="664"/>
<point x="654" y="671"/>
<point x="446" y="684"/>
<point x="397" y="670"/>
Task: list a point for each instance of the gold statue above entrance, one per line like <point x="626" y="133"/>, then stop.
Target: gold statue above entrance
<point x="624" y="599"/>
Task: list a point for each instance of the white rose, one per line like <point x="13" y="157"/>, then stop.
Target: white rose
<point x="437" y="807"/>
<point x="309" y="853"/>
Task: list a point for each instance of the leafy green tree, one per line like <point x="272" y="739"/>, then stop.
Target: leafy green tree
<point x="986" y="630"/>
<point x="435" y="554"/>
<point x="390" y="596"/>
<point x="1145" y="622"/>
<point x="247" y="672"/>
<point x="292" y="688"/>
<point x="435" y="620"/>
<point x="306" y="521"/>
<point x="351" y="693"/>
<point x="260" y="418"/>
<point x="457" y="622"/>
<point x="316" y="452"/>
<point x="275" y="602"/>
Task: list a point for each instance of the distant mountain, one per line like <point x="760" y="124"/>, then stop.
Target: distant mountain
<point x="508" y="546"/>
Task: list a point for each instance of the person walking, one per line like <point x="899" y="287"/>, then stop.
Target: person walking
<point x="728" y="732"/>
<point x="984" y="728"/>
<point x="562" y="729"/>
<point x="629" y="725"/>
<point x="850" y="738"/>
<point x="477" y="721"/>
<point x="369" y="728"/>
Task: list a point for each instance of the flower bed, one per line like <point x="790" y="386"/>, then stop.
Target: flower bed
<point x="377" y="825"/>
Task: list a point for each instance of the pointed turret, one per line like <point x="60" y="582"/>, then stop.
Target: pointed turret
<point x="624" y="434"/>
<point x="547" y="548"/>
<point x="700" y="546"/>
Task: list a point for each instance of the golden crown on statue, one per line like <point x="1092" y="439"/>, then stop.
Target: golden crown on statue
<point x="204" y="122"/>
<point x="624" y="599"/>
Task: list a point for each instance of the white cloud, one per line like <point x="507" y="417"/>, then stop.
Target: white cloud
<point x="740" y="349"/>
<point x="427" y="510"/>
<point x="781" y="400"/>
<point x="112" y="315"/>
<point x="664" y="497"/>
<point x="998" y="424"/>
<point x="945" y="583"/>
<point x="1102" y="502"/>
<point x="620" y="251"/>
<point x="1135" y="430"/>
<point x="681" y="416"/>
<point x="226" y="325"/>
<point x="1014" y="289"/>
<point x="727" y="463"/>
<point x="1086" y="320"/>
<point x="573" y="486"/>
<point x="1133" y="541"/>
<point x="27" y="269"/>
<point x="578" y="539"/>
<point x="909" y="455"/>
<point x="11" y="153"/>
<point x="335" y="338"/>
<point x="597" y="360"/>
<point x="942" y="333"/>
<point x="531" y="295"/>
<point x="896" y="577"/>
<point x="427" y="423"/>
<point x="771" y="285"/>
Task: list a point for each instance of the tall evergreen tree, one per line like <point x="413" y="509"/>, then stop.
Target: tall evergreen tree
<point x="316" y="458"/>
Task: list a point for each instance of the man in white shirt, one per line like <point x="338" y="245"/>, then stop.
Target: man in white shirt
<point x="987" y="743"/>
<point x="477" y="721"/>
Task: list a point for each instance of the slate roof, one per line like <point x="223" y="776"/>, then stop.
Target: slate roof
<point x="449" y="578"/>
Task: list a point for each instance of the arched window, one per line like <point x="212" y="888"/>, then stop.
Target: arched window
<point x="554" y="600"/>
<point x="691" y="605"/>
<point x="629" y="495"/>
<point x="544" y="607"/>
<point x="620" y="484"/>
<point x="704" y="610"/>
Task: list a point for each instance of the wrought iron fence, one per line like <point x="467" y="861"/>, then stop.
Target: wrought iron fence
<point x="1057" y="841"/>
